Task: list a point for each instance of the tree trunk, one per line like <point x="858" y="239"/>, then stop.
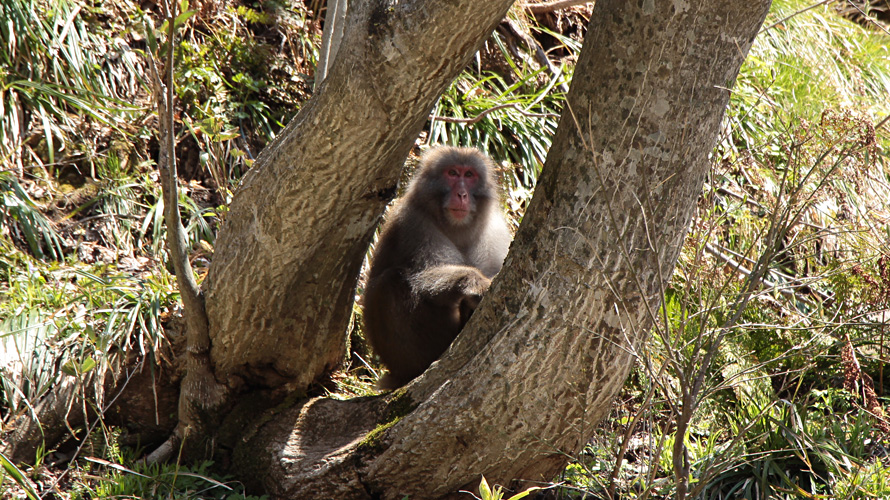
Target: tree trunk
<point x="279" y="290"/>
<point x="536" y="368"/>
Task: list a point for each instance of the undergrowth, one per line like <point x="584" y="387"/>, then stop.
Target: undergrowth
<point x="764" y="377"/>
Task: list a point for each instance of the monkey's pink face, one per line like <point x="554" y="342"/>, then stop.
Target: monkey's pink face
<point x="461" y="180"/>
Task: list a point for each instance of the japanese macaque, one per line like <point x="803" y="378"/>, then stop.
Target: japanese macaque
<point x="439" y="248"/>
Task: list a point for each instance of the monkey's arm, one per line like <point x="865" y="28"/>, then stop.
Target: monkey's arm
<point x="449" y="284"/>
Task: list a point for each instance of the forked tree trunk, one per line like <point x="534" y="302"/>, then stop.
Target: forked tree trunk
<point x="536" y="368"/>
<point x="282" y="280"/>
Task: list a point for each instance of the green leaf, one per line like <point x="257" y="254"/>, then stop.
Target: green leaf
<point x="149" y="28"/>
<point x="182" y="18"/>
<point x="18" y="477"/>
<point x="487" y="493"/>
<point x="73" y="368"/>
<point x="525" y="493"/>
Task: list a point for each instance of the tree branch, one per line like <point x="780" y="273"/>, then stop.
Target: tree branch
<point x="334" y="22"/>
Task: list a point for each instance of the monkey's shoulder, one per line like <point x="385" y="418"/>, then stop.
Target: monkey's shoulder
<point x="490" y="248"/>
<point x="497" y="233"/>
<point x="406" y="245"/>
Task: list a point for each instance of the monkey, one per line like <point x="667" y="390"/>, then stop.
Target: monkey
<point x="439" y="248"/>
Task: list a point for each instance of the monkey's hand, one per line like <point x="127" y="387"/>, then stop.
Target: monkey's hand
<point x="450" y="285"/>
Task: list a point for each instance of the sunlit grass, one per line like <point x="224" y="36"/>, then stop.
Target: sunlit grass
<point x="75" y="321"/>
<point x="57" y="72"/>
<point x="802" y="66"/>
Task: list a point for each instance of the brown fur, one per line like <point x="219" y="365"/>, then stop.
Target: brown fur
<point x="429" y="272"/>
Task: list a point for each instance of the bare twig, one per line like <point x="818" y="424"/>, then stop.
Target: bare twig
<point x="784" y="290"/>
<point x="102" y="216"/>
<point x="163" y="452"/>
<point x="448" y="119"/>
<point x="780" y="21"/>
<point x="823" y="2"/>
<point x="871" y="20"/>
<point x="92" y="426"/>
<point x="743" y="198"/>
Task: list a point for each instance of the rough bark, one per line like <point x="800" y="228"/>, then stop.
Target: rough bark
<point x="283" y="276"/>
<point x="537" y="366"/>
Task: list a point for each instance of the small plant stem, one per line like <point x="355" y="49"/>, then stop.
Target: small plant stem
<point x="881" y="359"/>
<point x="199" y="389"/>
<point x="193" y="301"/>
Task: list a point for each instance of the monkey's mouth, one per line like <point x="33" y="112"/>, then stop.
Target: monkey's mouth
<point x="458" y="213"/>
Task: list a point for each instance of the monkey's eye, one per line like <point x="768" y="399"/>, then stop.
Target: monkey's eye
<point x="470" y="174"/>
<point x="453" y="173"/>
